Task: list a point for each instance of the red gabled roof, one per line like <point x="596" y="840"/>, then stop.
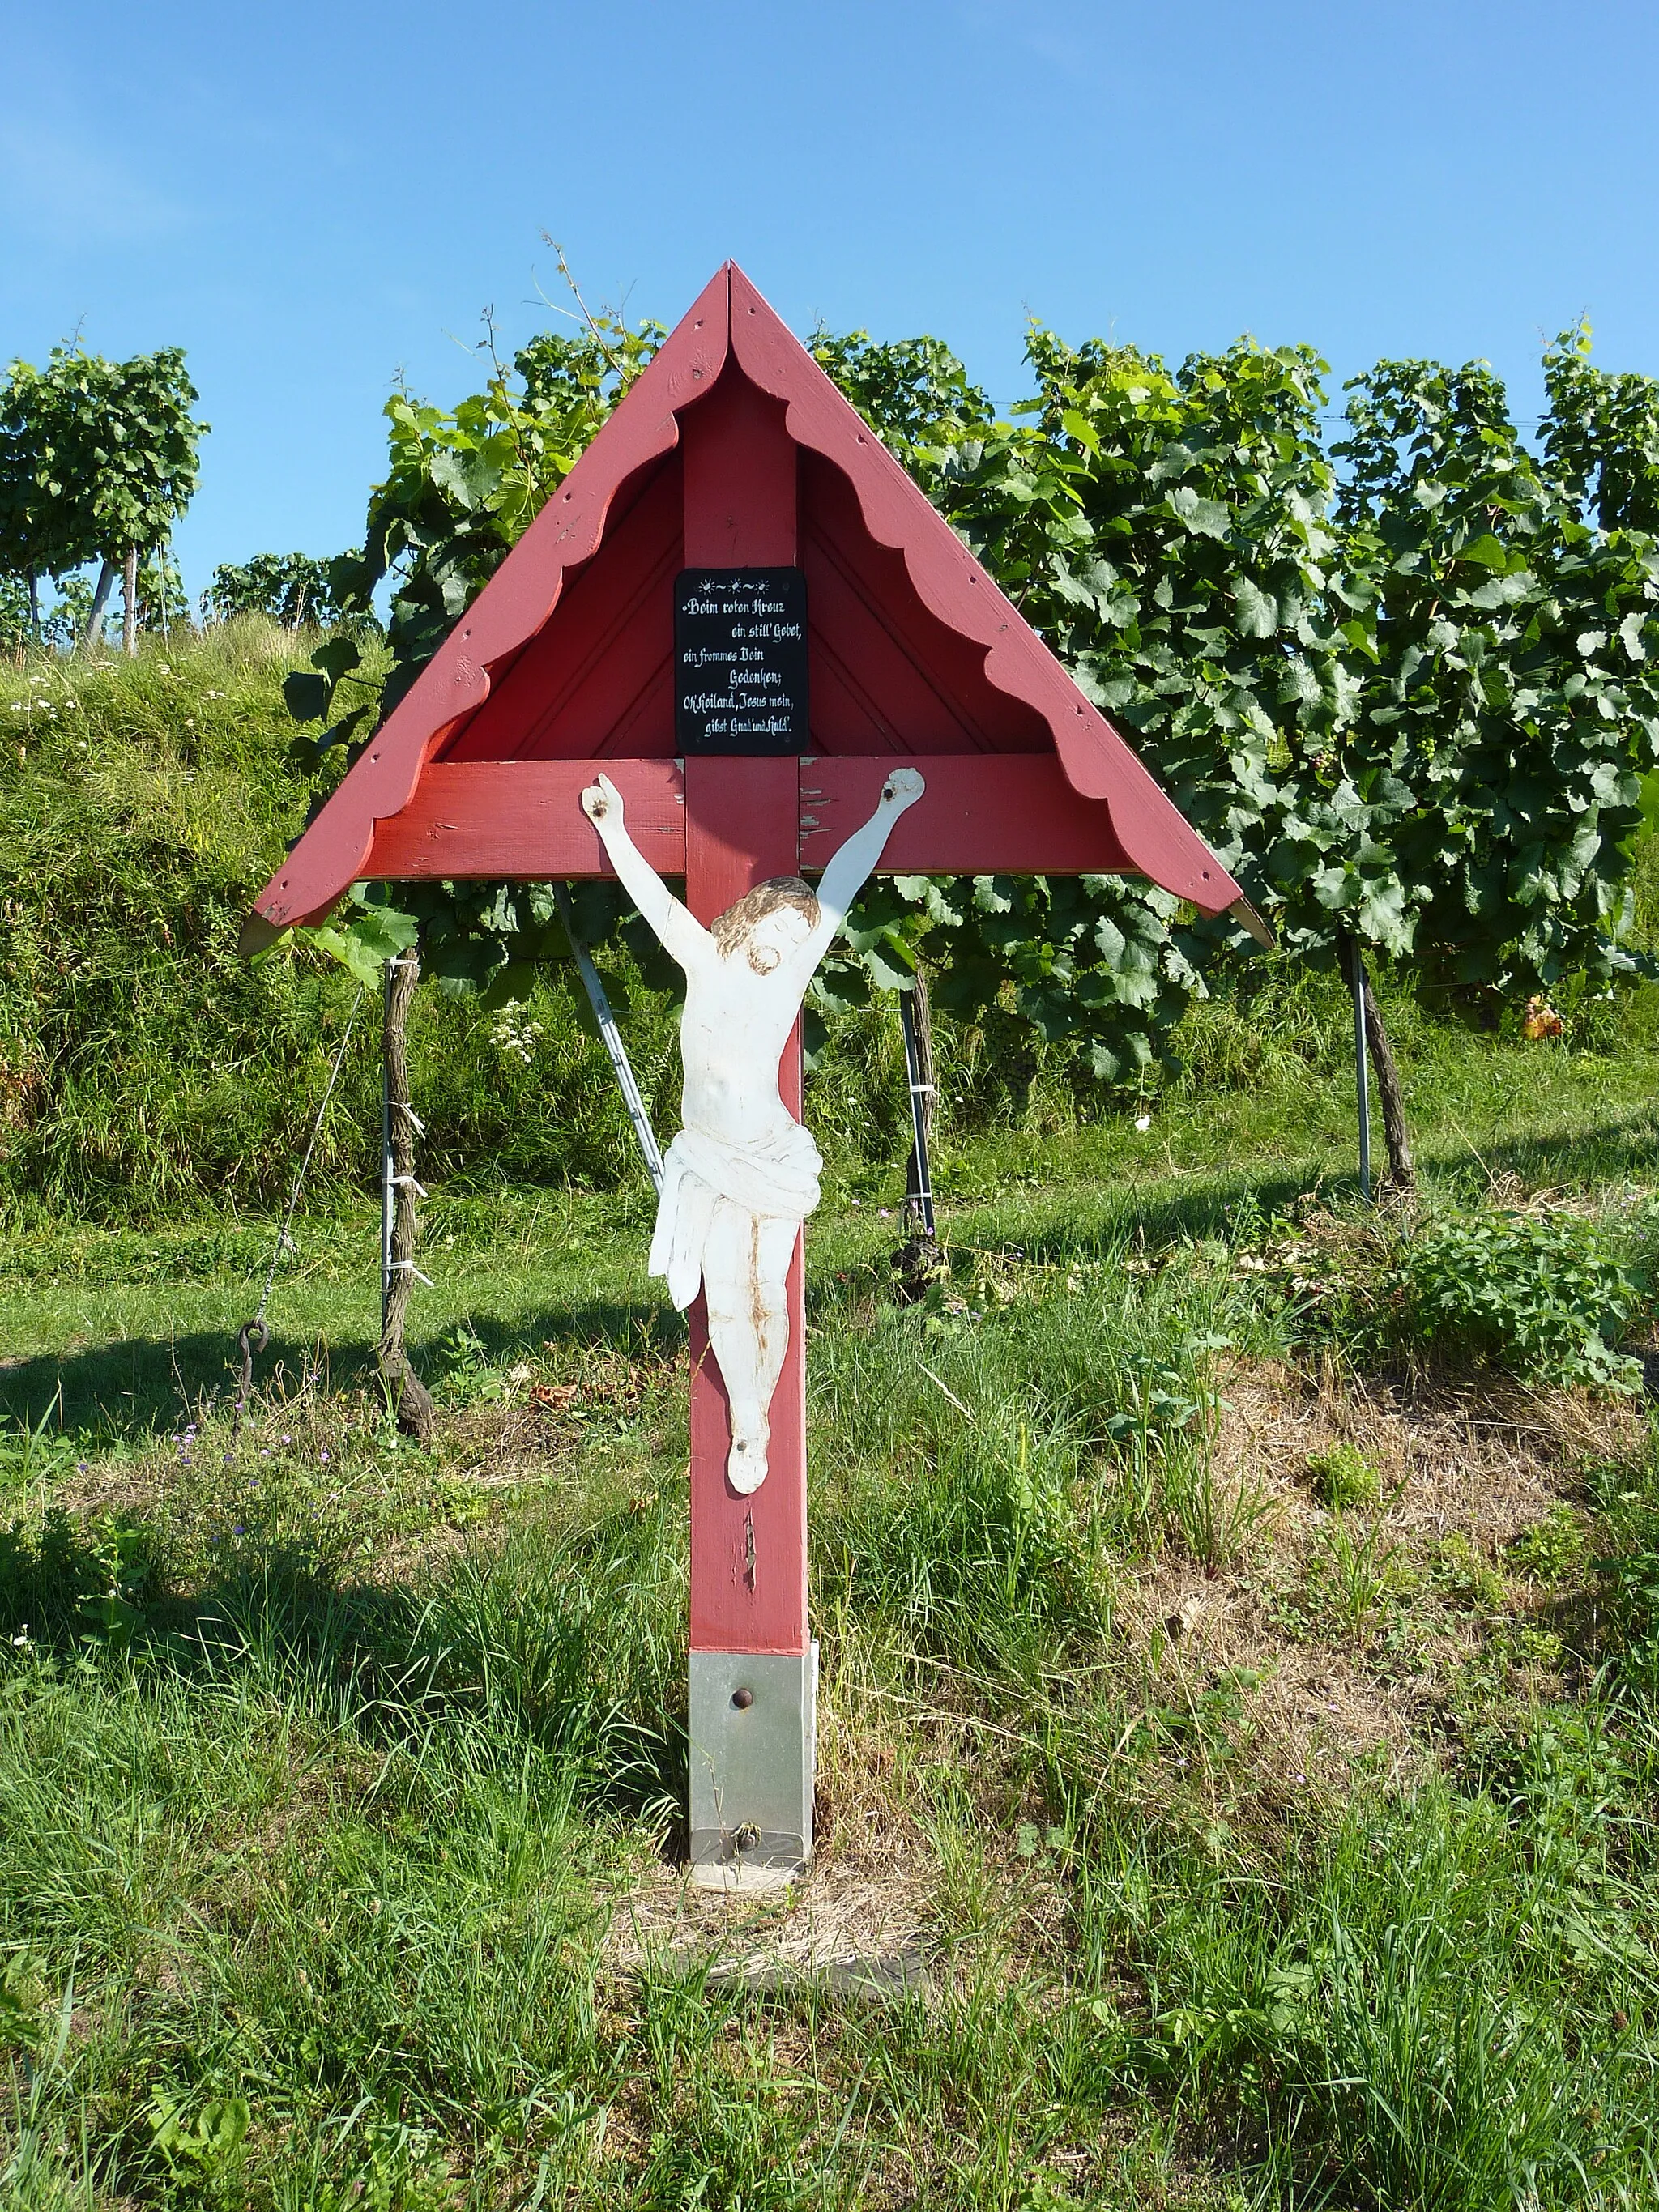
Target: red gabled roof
<point x="566" y="653"/>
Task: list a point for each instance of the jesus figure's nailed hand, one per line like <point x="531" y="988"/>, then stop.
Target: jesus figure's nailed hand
<point x="601" y="800"/>
<point x="903" y="788"/>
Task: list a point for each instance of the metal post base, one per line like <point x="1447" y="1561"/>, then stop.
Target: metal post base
<point x="753" y="1725"/>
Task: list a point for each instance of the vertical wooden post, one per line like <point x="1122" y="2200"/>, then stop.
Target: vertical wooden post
<point x="93" y="632"/>
<point x="916" y="1017"/>
<point x="753" y="1666"/>
<point x="748" y="1555"/>
<point x="1361" y="1072"/>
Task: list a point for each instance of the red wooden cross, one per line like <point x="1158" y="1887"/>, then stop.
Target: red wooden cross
<point x="733" y="451"/>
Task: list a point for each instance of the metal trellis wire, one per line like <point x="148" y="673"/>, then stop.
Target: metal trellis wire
<point x="245" y="1336"/>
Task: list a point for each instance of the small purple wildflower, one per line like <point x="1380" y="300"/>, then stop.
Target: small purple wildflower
<point x="323" y="1456"/>
<point x="288" y="1440"/>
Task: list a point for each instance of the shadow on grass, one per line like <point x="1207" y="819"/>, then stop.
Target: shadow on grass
<point x="1158" y="1220"/>
<point x="1605" y="1151"/>
<point x="511" y="1646"/>
<point x="1614" y="1151"/>
<point x="140" y="1386"/>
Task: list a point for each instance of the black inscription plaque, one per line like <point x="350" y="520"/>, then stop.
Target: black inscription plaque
<point x="741" y="661"/>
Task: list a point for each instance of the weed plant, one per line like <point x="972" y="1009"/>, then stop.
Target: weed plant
<point x="1547" y="1293"/>
<point x="1544" y="1293"/>
<point x="1343" y="1476"/>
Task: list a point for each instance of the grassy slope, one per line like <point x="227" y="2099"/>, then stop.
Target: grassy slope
<point x="1253" y="1851"/>
<point x="144" y="1069"/>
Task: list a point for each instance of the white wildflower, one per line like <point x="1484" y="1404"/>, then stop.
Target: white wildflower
<point x="513" y="1036"/>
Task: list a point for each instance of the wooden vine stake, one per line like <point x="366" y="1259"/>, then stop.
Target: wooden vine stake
<point x="130" y="602"/>
<point x="1374" y="1055"/>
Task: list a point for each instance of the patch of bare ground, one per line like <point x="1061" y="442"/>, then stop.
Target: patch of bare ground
<point x="1360" y="1668"/>
<point x="135" y="1487"/>
<point x="841" y="1918"/>
<point x="870" y="1918"/>
<point x="892" y="1905"/>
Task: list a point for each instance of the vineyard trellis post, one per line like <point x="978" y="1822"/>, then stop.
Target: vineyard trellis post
<point x="406" y="1394"/>
<point x="1374" y="1055"/>
<point x="1361" y="1070"/>
<point x="915" y="1017"/>
<point x="611" y="1038"/>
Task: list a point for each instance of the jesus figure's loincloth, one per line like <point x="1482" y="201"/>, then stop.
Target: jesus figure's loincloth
<point x="776" y="1177"/>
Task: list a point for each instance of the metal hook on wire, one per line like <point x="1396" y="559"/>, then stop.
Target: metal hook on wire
<point x="247" y="1346"/>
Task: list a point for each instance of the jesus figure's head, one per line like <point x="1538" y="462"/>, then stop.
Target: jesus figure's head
<point x="768" y="923"/>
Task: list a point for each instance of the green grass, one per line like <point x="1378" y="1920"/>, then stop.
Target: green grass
<point x="335" y="1773"/>
<point x="127" y="1320"/>
<point x="1269" y="1835"/>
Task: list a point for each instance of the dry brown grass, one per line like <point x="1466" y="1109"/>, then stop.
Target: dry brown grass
<point x="1480" y="1461"/>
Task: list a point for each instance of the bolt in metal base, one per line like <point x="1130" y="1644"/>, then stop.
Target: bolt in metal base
<point x="753" y="1726"/>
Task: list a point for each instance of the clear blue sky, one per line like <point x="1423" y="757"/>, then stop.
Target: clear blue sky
<point x="313" y="198"/>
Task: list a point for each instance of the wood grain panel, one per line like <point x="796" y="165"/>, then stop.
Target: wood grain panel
<point x="524" y="818"/>
<point x="982" y="814"/>
<point x="921" y="685"/>
<point x="598" y="678"/>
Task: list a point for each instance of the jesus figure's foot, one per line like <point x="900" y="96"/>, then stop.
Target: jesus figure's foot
<point x="745" y="1465"/>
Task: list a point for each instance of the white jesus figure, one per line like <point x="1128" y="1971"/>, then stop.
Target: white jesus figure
<point x="742" y="1174"/>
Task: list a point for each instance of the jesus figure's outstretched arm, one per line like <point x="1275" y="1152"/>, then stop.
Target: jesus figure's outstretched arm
<point x="852" y="866"/>
<point x="683" y="937"/>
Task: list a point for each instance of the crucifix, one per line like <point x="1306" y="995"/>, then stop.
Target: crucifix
<point x="742" y="1176"/>
<point x="739" y="649"/>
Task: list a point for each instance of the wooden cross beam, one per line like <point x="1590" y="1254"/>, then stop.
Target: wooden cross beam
<point x="983" y="814"/>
